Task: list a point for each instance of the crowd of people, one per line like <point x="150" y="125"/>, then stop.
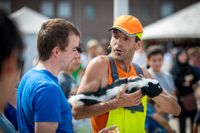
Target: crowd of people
<point x="63" y="69"/>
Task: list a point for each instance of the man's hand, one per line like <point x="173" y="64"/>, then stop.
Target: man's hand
<point x="125" y="100"/>
<point x="111" y="129"/>
<point x="152" y="90"/>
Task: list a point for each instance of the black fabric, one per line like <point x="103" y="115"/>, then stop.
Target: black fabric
<point x="152" y="90"/>
<point x="179" y="71"/>
<point x="116" y="76"/>
<point x="113" y="69"/>
<point x="197" y="118"/>
<point x="182" y="123"/>
<point x="148" y="87"/>
<point x="138" y="69"/>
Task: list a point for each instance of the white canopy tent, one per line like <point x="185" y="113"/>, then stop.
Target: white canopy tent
<point x="183" y="24"/>
<point x="29" y="23"/>
<point x="28" y="20"/>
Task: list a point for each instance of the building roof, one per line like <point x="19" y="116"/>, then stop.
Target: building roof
<point x="28" y="20"/>
<point x="183" y="24"/>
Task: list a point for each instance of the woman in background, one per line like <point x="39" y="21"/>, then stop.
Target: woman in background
<point x="184" y="78"/>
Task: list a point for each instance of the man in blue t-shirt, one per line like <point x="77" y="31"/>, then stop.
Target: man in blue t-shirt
<point x="42" y="106"/>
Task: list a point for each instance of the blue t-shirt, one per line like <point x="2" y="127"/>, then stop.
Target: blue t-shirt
<point x="40" y="99"/>
<point x="11" y="114"/>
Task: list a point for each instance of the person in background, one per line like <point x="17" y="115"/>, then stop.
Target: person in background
<point x="155" y="121"/>
<point x="196" y="125"/>
<point x="184" y="77"/>
<point x="194" y="59"/>
<point x="11" y="49"/>
<point x="158" y="118"/>
<point x="69" y="87"/>
<point x="194" y="56"/>
<point x="78" y="73"/>
<point x="65" y="78"/>
<point x="155" y="58"/>
<point x="92" y="46"/>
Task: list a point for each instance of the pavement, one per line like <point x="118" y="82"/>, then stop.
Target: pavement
<point x="174" y="124"/>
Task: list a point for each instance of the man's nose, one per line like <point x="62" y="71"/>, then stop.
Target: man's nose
<point x="119" y="41"/>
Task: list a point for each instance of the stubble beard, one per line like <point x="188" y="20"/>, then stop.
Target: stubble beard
<point x="118" y="57"/>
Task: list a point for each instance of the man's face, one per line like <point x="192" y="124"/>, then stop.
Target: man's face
<point x="70" y="52"/>
<point x="123" y="47"/>
<point x="75" y="63"/>
<point x="92" y="51"/>
<point x="155" y="62"/>
<point x="183" y="57"/>
<point x="9" y="77"/>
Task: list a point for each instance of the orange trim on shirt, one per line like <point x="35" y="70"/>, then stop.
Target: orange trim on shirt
<point x="99" y="122"/>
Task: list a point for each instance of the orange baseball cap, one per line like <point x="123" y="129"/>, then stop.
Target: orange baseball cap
<point x="129" y="25"/>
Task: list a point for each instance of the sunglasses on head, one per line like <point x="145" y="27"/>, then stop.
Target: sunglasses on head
<point x="79" y="49"/>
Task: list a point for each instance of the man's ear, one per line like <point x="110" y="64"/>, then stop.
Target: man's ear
<point x="138" y="45"/>
<point x="55" y="52"/>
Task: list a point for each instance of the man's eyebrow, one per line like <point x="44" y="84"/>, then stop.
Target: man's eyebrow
<point x="115" y="31"/>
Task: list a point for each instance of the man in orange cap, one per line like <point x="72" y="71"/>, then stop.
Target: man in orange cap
<point x="126" y="111"/>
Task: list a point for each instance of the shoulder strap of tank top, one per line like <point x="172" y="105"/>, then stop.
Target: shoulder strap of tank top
<point x="138" y="69"/>
<point x="139" y="108"/>
<point x="113" y="68"/>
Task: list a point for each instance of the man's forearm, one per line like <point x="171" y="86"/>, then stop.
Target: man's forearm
<point x="45" y="127"/>
<point x="167" y="103"/>
<point x="80" y="112"/>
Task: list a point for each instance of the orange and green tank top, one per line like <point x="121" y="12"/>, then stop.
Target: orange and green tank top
<point x="127" y="121"/>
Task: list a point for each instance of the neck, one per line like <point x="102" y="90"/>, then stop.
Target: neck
<point x="68" y="71"/>
<point x="124" y="65"/>
<point x="3" y="95"/>
<point x="50" y="66"/>
<point x="156" y="71"/>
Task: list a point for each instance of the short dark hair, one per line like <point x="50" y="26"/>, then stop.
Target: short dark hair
<point x="10" y="39"/>
<point x="137" y="39"/>
<point x="154" y="50"/>
<point x="54" y="32"/>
